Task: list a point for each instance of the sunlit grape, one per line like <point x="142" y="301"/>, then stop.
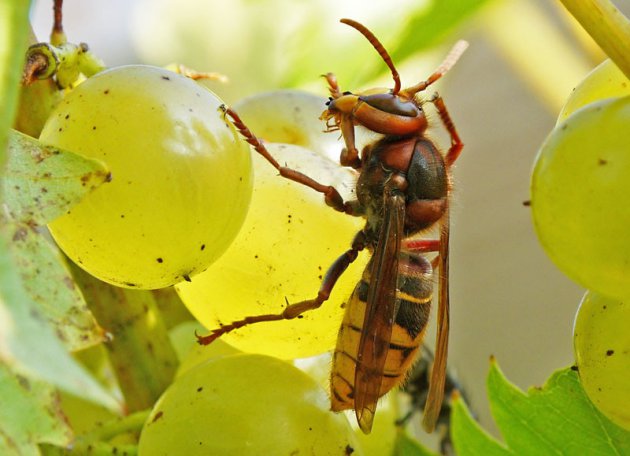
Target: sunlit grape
<point x="245" y="405"/>
<point x="288" y="241"/>
<point x="181" y="176"/>
<point x="189" y="353"/>
<point x="579" y="196"/>
<point x="290" y="117"/>
<point x="605" y="81"/>
<point x="602" y="353"/>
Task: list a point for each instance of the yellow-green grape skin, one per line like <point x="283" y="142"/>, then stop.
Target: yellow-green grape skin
<point x="605" y="81"/>
<point x="181" y="176"/>
<point x="245" y="405"/>
<point x="290" y="117"/>
<point x="288" y="241"/>
<point x="602" y="352"/>
<point x="189" y="353"/>
<point x="579" y="196"/>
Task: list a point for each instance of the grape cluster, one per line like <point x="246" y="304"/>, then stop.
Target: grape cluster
<point x="181" y="176"/>
<point x="579" y="192"/>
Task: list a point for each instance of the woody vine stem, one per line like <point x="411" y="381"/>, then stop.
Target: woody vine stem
<point x="607" y="26"/>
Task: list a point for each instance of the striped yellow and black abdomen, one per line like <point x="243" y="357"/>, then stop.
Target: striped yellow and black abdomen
<point x="413" y="301"/>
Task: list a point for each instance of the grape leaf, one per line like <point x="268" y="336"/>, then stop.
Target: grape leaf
<point x="39" y="184"/>
<point x="29" y="414"/>
<point x="469" y="437"/>
<point x="42" y="182"/>
<point x="425" y="28"/>
<point x="29" y="345"/>
<point x="557" y="418"/>
<point x="50" y="284"/>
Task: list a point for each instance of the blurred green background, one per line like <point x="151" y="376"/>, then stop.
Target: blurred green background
<point x="525" y="56"/>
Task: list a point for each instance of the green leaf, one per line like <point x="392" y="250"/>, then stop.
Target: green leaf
<point x="49" y="283"/>
<point x="469" y="438"/>
<point x="29" y="345"/>
<point x="42" y="182"/>
<point x="556" y="419"/>
<point x="14" y="29"/>
<point x="29" y="414"/>
<point x="427" y="27"/>
<point x="420" y="28"/>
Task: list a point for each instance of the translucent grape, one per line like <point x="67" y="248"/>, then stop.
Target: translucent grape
<point x="280" y="258"/>
<point x="579" y="196"/>
<point x="602" y="352"/>
<point x="289" y="239"/>
<point x="605" y="81"/>
<point x="189" y="353"/>
<point x="290" y="117"/>
<point x="181" y="176"/>
<point x="245" y="405"/>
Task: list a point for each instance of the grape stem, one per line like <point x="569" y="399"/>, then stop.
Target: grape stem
<point x="607" y="26"/>
<point x="140" y="352"/>
<point x="109" y="430"/>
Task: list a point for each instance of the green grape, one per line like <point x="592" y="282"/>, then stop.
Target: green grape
<point x="245" y="405"/>
<point x="181" y="176"/>
<point x="605" y="81"/>
<point x="579" y="196"/>
<point x="289" y="239"/>
<point x="602" y="352"/>
<point x="283" y="252"/>
<point x="189" y="352"/>
<point x="290" y="117"/>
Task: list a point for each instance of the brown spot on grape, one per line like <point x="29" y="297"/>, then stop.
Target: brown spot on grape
<point x="187" y="278"/>
<point x="106" y="91"/>
<point x="166" y="78"/>
<point x="203" y="246"/>
<point x="610" y="352"/>
<point x="67" y="116"/>
<point x="200" y="389"/>
<point x="94" y="127"/>
<point x="160" y="260"/>
<point x="157" y="416"/>
<point x="602" y="162"/>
